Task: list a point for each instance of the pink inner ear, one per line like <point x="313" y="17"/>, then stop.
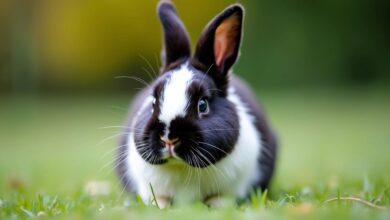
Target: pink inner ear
<point x="225" y="39"/>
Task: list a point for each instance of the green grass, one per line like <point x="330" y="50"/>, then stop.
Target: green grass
<point x="334" y="145"/>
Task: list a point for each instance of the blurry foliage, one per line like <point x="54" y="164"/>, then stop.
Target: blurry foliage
<point x="72" y="45"/>
<point x="93" y="41"/>
<point x="316" y="42"/>
<point x="4" y="9"/>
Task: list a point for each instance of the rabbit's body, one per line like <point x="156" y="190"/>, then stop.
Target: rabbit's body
<point x="197" y="131"/>
<point x="234" y="175"/>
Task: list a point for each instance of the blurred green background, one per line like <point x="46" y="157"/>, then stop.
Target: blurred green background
<point x="321" y="69"/>
<point x="68" y="46"/>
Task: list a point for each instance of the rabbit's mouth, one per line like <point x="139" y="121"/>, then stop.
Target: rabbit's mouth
<point x="168" y="152"/>
<point x="191" y="157"/>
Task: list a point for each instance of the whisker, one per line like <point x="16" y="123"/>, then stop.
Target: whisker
<point x="114" y="160"/>
<point x="149" y="64"/>
<point x="118" y="161"/>
<point x="218" y="90"/>
<point x="149" y="74"/>
<point x="214" y="147"/>
<point x="108" y="138"/>
<point x="194" y="161"/>
<point x="188" y="170"/>
<point x="134" y="78"/>
<point x="110" y="151"/>
<point x="124" y="188"/>
<point x="226" y="153"/>
<point x="207" y="170"/>
<point x="204" y="76"/>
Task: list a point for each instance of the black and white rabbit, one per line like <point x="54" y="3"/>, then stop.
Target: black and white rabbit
<point x="197" y="131"/>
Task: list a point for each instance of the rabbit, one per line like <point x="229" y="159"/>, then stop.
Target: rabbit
<point x="197" y="133"/>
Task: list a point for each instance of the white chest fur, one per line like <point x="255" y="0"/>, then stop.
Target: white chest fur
<point x="233" y="175"/>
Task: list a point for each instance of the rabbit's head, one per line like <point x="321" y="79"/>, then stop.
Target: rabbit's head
<point x="188" y="117"/>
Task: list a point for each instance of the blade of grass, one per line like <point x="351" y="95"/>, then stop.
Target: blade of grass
<point x="154" y="196"/>
<point x="254" y="198"/>
<point x="264" y="198"/>
<point x="355" y="199"/>
<point x="27" y="212"/>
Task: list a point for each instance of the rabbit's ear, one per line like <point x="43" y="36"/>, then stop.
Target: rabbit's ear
<point x="176" y="41"/>
<point x="219" y="43"/>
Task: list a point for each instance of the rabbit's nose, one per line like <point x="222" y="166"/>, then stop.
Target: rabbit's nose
<point x="169" y="142"/>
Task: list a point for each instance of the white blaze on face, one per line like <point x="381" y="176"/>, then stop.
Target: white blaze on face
<point x="175" y="100"/>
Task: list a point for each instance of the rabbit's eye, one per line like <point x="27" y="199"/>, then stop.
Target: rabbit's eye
<point x="203" y="106"/>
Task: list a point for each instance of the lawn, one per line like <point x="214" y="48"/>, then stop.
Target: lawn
<point x="56" y="154"/>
